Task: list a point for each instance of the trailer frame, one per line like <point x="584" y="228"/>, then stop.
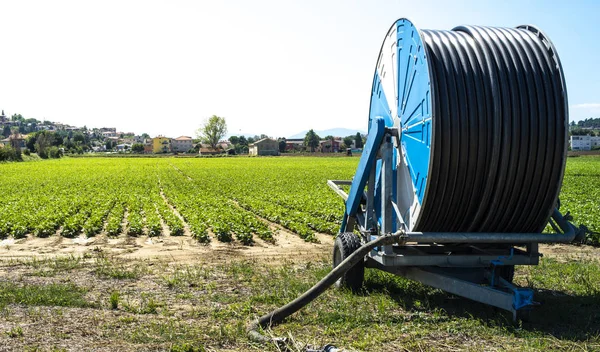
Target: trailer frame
<point x="468" y="264"/>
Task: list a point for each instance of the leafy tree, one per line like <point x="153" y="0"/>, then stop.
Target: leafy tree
<point x="348" y="141"/>
<point x="251" y="140"/>
<point x="589" y="122"/>
<point x="43" y="142"/>
<point x="145" y="135"/>
<point x="282" y="145"/>
<point x="79" y="138"/>
<point x="30" y="143"/>
<point x="234" y="140"/>
<point x="67" y="143"/>
<point x="243" y="141"/>
<point x="7" y="153"/>
<point x="213" y="130"/>
<point x="581" y="132"/>
<point x="6" y="131"/>
<point x="137" y="148"/>
<point x="109" y="145"/>
<point x="311" y="140"/>
<point x="54" y="152"/>
<point x="358" y="140"/>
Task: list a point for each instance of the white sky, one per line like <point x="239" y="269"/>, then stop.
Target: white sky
<point x="273" y="67"/>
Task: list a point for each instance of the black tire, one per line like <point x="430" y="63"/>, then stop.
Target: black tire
<point x="345" y="244"/>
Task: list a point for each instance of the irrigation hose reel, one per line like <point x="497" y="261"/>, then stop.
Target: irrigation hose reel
<point x="462" y="166"/>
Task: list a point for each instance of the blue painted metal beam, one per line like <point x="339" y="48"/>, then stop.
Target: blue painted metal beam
<point x="367" y="161"/>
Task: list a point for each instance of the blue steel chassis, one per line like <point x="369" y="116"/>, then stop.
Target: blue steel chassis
<point x="464" y="264"/>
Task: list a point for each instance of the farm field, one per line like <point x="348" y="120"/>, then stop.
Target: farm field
<point x="180" y="254"/>
<point x="229" y="199"/>
<point x="208" y="200"/>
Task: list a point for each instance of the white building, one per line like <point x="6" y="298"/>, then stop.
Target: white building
<point x="584" y="142"/>
<point x="182" y="144"/>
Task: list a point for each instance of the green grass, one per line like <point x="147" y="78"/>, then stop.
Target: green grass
<point x="48" y="267"/>
<point x="114" y="300"/>
<point x="17" y="331"/>
<point x="63" y="295"/>
<point x="391" y="313"/>
<point x="202" y="307"/>
<point x="107" y="268"/>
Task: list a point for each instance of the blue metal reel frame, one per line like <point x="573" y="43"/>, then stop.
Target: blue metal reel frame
<point x="367" y="160"/>
<point x="402" y="95"/>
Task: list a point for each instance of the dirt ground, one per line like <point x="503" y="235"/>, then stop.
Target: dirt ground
<point x="174" y="293"/>
<point x="181" y="249"/>
<point x="185" y="249"/>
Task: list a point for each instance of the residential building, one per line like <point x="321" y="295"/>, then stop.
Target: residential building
<point x="265" y="146"/>
<point x="161" y="144"/>
<point x="206" y="149"/>
<point x="123" y="147"/>
<point x="17" y="140"/>
<point x="182" y="144"/>
<point x="584" y="142"/>
<point x="148" y="146"/>
<point x="294" y="144"/>
<point x="109" y="134"/>
<point x="330" y="145"/>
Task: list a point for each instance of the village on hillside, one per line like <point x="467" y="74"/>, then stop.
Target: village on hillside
<point x="31" y="135"/>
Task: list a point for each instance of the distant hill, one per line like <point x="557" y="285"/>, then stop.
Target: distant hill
<point x="336" y="132"/>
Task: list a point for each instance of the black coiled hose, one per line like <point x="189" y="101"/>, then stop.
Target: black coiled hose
<point x="499" y="130"/>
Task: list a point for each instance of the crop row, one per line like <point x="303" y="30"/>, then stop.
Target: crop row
<point x="230" y="200"/>
<point x="227" y="199"/>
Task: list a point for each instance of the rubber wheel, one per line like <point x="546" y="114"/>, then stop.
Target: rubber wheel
<point x="345" y="244"/>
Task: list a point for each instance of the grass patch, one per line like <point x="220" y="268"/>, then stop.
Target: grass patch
<point x="198" y="307"/>
<point x="17" y="331"/>
<point x="49" y="267"/>
<point x="147" y="304"/>
<point x="112" y="268"/>
<point x="185" y="276"/>
<point x="114" y="300"/>
<point x="63" y="295"/>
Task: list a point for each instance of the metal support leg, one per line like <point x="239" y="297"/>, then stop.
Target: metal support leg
<point x="386" y="191"/>
<point x="370" y="223"/>
<point x="512" y="298"/>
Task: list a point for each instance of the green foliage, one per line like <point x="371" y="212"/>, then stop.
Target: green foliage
<point x="580" y="194"/>
<point x="348" y="141"/>
<point x="311" y="140"/>
<point x="213" y="130"/>
<point x="8" y="153"/>
<point x="581" y="132"/>
<point x="137" y="148"/>
<point x="65" y="295"/>
<point x="588" y="123"/>
<point x="228" y="199"/>
<point x="358" y="140"/>
<point x="17" y="331"/>
<point x="54" y="152"/>
<point x="114" y="300"/>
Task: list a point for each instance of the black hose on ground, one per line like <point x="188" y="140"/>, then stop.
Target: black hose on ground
<point x="281" y="313"/>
